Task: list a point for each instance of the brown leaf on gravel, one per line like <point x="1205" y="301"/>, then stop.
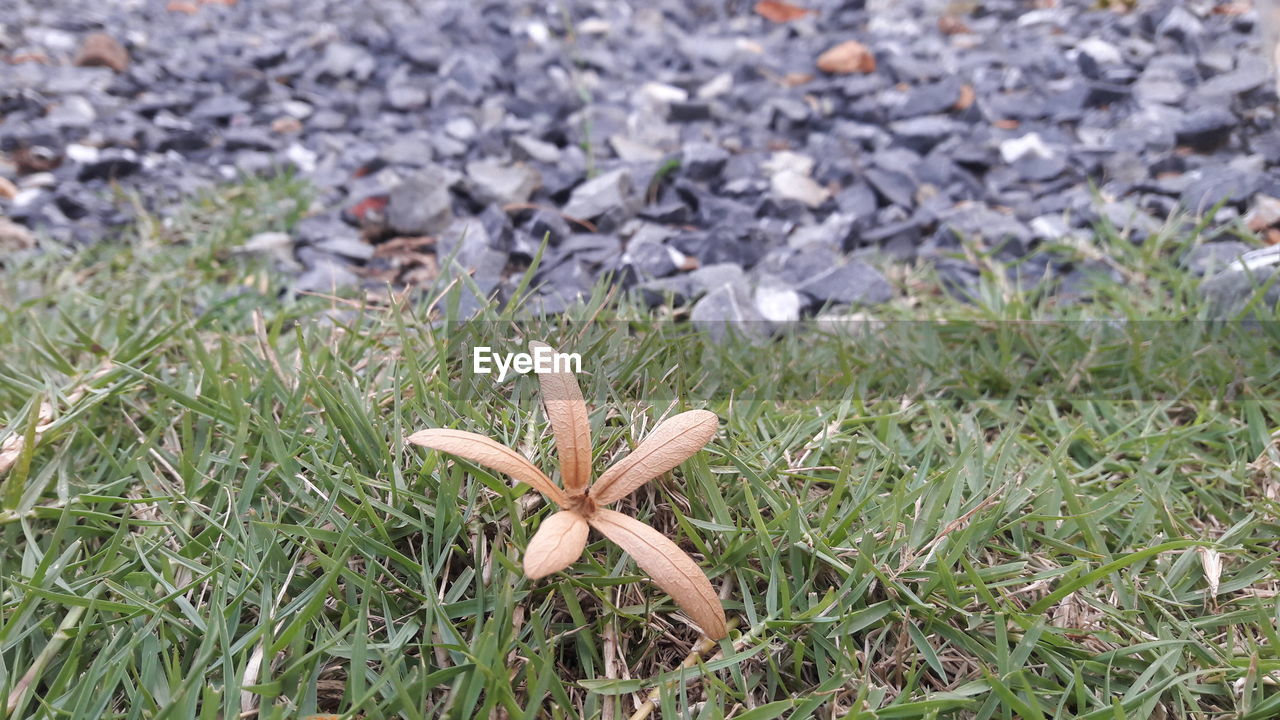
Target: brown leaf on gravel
<point x="102" y="50"/>
<point x="780" y="12"/>
<point x="952" y="25"/>
<point x="14" y="237"/>
<point x="1264" y="214"/>
<point x="1231" y="8"/>
<point x="796" y="79"/>
<point x="286" y="125"/>
<point x="848" y="57"/>
<point x="967" y="96"/>
<point x="34" y="56"/>
<point x="35" y="159"/>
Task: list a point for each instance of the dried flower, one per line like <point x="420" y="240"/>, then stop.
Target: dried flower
<point x="563" y="536"/>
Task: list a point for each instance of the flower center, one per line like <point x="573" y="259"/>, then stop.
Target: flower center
<point x="583" y="504"/>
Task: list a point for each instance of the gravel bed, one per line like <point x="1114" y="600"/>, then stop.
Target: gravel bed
<point x="756" y="162"/>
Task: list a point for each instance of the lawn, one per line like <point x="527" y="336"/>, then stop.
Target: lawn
<point x="1005" y="507"/>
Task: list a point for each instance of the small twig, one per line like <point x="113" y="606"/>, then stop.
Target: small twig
<point x="249" y="700"/>
<point x="431" y="306"/>
<point x="950" y="528"/>
<point x="831" y="428"/>
<point x="18" y="696"/>
<point x="811" y="468"/>
<point x="610" y="638"/>
<point x="8" y="516"/>
<point x="11" y="448"/>
<point x="703" y="646"/>
<point x="512" y="207"/>
<point x="260" y="329"/>
<point x="334" y="299"/>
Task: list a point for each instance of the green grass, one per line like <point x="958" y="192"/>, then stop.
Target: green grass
<point x="216" y="516"/>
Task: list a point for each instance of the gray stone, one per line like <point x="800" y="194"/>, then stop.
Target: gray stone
<point x="73" y="111"/>
<point x="832" y="233"/>
<point x="1127" y="217"/>
<point x="924" y="132"/>
<point x="462" y="129"/>
<point x="792" y="185"/>
<point x="1214" y="184"/>
<point x="608" y="192"/>
<point x="530" y="148"/>
<point x="248" y="138"/>
<point x="1206" y="129"/>
<point x="1086" y="278"/>
<point x="1213" y="257"/>
<point x="465" y="256"/>
<point x="971" y="221"/>
<point x="317" y="228"/>
<point x="1100" y="51"/>
<point x="110" y="165"/>
<point x="649" y="259"/>
<point x="464" y="240"/>
<point x="728" y="312"/>
<point x="896" y="187"/>
<point x="219" y="107"/>
<point x="327" y="119"/>
<point x="350" y="247"/>
<point x="854" y="282"/>
<point x="929" y="99"/>
<point x="495" y="181"/>
<point x="276" y="245"/>
<point x="857" y="200"/>
<point x="808" y="263"/>
<point x="1251" y="75"/>
<point x="325" y="277"/>
<point x="703" y="161"/>
<point x="1231" y="293"/>
<point x="1160" y="88"/>
<point x="712" y="277"/>
<point x="631" y="150"/>
<point x="410" y="150"/>
<point x="592" y="248"/>
<point x="563" y="284"/>
<point x="657" y="291"/>
<point x="358" y="100"/>
<point x="1181" y="25"/>
<point x="405" y="95"/>
<point x="346" y="60"/>
<point x="778" y="304"/>
<point x="689" y="111"/>
<point x="421" y="205"/>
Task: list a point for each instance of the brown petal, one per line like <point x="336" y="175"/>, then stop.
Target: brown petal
<point x="567" y="412"/>
<point x="668" y="565"/>
<point x="559" y="541"/>
<point x="671" y="443"/>
<point x="491" y="454"/>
